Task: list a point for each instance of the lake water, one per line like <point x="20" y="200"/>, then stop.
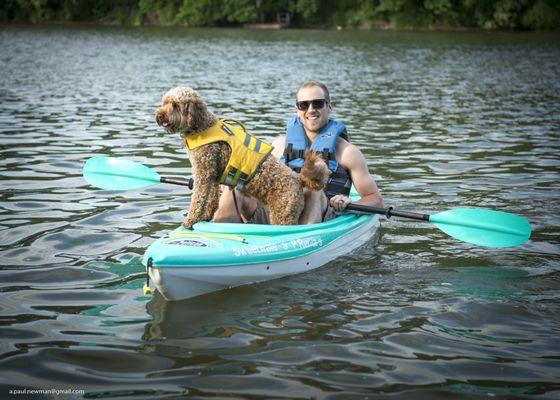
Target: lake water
<point x="445" y="120"/>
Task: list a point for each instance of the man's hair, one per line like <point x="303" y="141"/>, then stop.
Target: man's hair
<point x="315" y="83"/>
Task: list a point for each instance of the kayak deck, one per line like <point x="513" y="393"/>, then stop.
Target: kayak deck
<point x="221" y="244"/>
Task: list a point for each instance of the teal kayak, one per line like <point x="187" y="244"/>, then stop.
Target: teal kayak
<point x="214" y="256"/>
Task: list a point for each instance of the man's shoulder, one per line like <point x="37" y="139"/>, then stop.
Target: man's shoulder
<point x="348" y="154"/>
<point x="344" y="146"/>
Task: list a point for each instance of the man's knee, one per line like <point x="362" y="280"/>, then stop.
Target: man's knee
<point x="226" y="211"/>
<point x="230" y="207"/>
<point x="315" y="198"/>
<point x="315" y="205"/>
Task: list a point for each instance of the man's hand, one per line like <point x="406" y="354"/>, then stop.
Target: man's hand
<point x="340" y="202"/>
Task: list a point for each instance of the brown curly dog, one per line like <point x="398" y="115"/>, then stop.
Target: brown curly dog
<point x="273" y="184"/>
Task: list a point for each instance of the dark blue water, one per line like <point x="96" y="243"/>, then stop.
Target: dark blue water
<point x="445" y="120"/>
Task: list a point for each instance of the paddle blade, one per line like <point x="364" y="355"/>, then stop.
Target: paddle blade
<point x="118" y="173"/>
<point x="483" y="227"/>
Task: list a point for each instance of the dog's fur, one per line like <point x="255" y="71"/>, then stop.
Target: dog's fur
<point x="274" y="183"/>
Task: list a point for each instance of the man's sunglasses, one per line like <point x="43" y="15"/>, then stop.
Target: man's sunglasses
<point x="317" y="104"/>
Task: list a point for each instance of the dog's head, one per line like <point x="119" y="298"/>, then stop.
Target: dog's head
<point x="183" y="110"/>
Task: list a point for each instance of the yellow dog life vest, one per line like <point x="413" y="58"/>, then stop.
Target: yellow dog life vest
<point x="247" y="152"/>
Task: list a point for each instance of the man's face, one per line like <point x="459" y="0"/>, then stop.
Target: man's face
<point x="313" y="119"/>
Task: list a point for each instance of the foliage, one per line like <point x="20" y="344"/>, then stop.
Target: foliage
<point x="397" y="14"/>
<point x="160" y="12"/>
<point x="542" y="15"/>
<point x="216" y="12"/>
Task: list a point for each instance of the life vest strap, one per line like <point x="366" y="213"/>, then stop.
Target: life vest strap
<point x="234" y="177"/>
<point x="241" y="182"/>
<point x="291" y="154"/>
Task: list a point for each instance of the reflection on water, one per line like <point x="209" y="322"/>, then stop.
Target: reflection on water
<point x="444" y="120"/>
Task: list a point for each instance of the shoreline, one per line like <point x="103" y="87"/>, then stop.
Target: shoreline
<point x="276" y="27"/>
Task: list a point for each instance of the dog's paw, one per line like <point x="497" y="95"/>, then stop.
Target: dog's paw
<point x="188" y="224"/>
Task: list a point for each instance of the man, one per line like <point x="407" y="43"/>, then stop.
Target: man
<point x="312" y="129"/>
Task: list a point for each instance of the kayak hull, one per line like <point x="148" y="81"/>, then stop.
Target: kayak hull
<point x="216" y="256"/>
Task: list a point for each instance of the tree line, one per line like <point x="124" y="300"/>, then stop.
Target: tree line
<point x="381" y="14"/>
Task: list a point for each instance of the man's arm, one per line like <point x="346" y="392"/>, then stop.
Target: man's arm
<point x="278" y="143"/>
<point x="354" y="161"/>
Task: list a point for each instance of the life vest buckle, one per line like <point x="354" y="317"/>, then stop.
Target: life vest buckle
<point x="241" y="181"/>
<point x="230" y="177"/>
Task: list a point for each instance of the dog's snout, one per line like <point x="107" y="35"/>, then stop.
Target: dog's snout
<point x="160" y="118"/>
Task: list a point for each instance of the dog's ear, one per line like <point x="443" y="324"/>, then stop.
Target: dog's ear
<point x="197" y="114"/>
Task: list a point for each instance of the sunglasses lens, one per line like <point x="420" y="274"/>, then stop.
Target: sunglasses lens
<point x="303" y="105"/>
<point x="317" y="104"/>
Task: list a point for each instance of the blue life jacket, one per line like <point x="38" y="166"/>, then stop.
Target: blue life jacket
<point x="324" y="143"/>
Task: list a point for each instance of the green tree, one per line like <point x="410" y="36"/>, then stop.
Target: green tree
<point x="239" y="11"/>
<point x="544" y="14"/>
<point x="199" y="12"/>
<point x="162" y="12"/>
<point x="406" y="13"/>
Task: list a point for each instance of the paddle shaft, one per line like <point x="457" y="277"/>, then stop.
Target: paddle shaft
<point x="388" y="212"/>
<point x="178" y="181"/>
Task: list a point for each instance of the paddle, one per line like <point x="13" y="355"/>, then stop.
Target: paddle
<point x="120" y="174"/>
<point x="473" y="225"/>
